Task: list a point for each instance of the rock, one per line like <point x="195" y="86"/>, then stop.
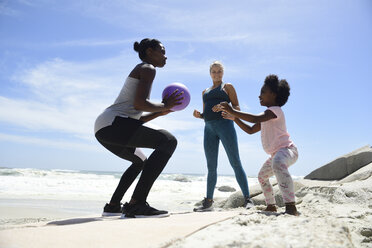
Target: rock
<point x="226" y="189"/>
<point x="236" y="200"/>
<point x="343" y="166"/>
<point x="366" y="232"/>
<point x="182" y="179"/>
<point x="361" y="174"/>
<point x="218" y="202"/>
<point x="260" y="199"/>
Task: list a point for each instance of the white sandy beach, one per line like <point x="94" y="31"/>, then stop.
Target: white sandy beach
<point x="334" y="213"/>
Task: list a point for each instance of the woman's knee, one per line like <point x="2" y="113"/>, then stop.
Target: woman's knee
<point x="212" y="174"/>
<point x="168" y="142"/>
<point x="235" y="163"/>
<point x="138" y="166"/>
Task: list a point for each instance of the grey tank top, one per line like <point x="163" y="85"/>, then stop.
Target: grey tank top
<point x="212" y="97"/>
<point x="123" y="105"/>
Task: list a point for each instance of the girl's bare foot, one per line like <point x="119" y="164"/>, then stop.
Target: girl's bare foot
<point x="290" y="208"/>
<point x="270" y="208"/>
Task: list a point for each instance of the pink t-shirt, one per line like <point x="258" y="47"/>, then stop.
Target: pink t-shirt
<point x="274" y="133"/>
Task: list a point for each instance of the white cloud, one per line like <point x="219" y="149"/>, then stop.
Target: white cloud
<point x="92" y="43"/>
<point x="42" y="117"/>
<point x="251" y="23"/>
<point x="60" y="144"/>
<point x="66" y="97"/>
<point x="63" y="96"/>
<point x="6" y="10"/>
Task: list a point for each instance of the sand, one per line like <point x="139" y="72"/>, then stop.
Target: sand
<point x="111" y="232"/>
<point x="333" y="214"/>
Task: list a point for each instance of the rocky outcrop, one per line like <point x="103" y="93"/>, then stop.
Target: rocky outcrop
<point x="343" y="166"/>
<point x="237" y="200"/>
<point x="260" y="199"/>
<point x="226" y="189"/>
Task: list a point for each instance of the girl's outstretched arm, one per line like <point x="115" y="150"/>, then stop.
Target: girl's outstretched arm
<point x="267" y="115"/>
<point x="247" y="128"/>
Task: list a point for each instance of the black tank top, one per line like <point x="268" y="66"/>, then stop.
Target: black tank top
<point x="212" y="97"/>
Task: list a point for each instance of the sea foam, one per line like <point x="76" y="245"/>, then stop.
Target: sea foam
<point x="174" y="192"/>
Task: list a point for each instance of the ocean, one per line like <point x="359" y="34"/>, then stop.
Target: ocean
<point x="30" y="195"/>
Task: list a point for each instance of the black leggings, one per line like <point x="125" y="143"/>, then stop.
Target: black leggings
<point x="122" y="138"/>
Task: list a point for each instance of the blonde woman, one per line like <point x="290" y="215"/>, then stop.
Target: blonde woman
<point x="219" y="129"/>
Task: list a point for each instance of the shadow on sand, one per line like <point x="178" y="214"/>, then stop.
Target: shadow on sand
<point x="268" y="213"/>
<point x="74" y="221"/>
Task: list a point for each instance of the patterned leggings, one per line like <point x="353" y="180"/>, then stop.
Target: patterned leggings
<point x="278" y="165"/>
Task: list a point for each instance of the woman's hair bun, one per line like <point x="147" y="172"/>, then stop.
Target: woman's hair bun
<point x="136" y="46"/>
<point x="142" y="46"/>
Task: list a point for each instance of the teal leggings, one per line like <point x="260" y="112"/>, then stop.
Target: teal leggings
<point x="223" y="130"/>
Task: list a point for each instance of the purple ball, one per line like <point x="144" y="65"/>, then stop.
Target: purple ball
<point x="186" y="95"/>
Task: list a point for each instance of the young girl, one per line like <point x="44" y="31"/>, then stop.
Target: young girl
<point x="119" y="129"/>
<point x="216" y="129"/>
<point x="275" y="140"/>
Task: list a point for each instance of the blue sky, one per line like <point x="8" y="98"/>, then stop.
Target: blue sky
<point x="63" y="62"/>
